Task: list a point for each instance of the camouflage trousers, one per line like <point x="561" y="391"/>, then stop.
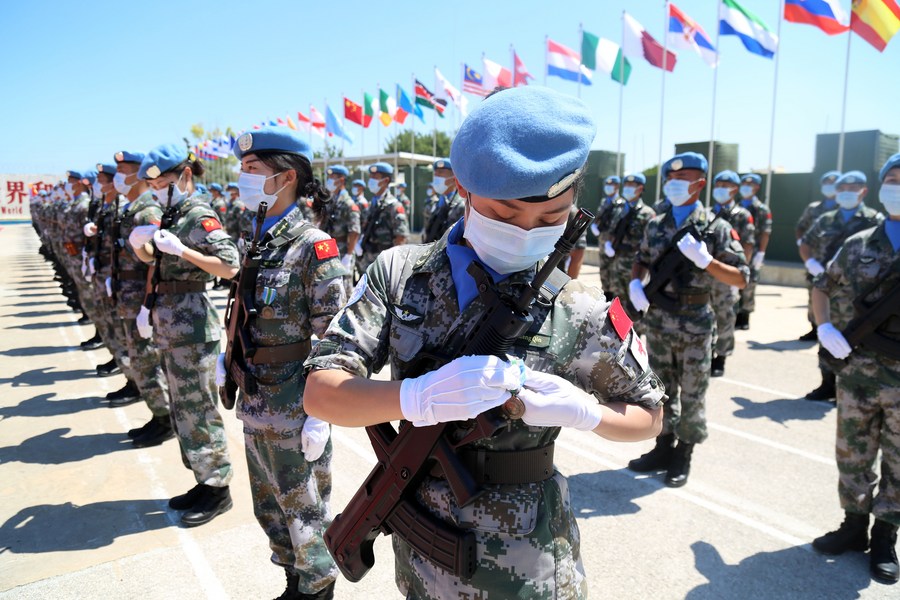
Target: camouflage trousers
<point x="724" y="299"/>
<point x="748" y="294"/>
<point x="291" y="501"/>
<point x="190" y="375"/>
<point x="606" y="272"/>
<point x="107" y="323"/>
<point x="868" y="420"/>
<point x="85" y="293"/>
<point x="682" y="360"/>
<point x="145" y="358"/>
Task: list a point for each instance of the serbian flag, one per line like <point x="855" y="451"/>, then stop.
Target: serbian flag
<point x="686" y="34"/>
<point x="638" y="43"/>
<point x="827" y="15"/>
<point x="565" y="63"/>
<point x="495" y="75"/>
<point x="520" y="73"/>
<point x="875" y="21"/>
<point x="352" y="111"/>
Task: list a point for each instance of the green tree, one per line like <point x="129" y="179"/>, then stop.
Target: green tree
<point x="333" y="152"/>
<point x="402" y="142"/>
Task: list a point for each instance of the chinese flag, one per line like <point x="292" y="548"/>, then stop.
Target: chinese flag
<point x="353" y="111"/>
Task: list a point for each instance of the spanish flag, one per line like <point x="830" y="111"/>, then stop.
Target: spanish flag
<point x="876" y="21"/>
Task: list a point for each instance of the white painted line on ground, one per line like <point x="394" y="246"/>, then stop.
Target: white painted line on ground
<point x="777" y="445"/>
<point x="758" y="388"/>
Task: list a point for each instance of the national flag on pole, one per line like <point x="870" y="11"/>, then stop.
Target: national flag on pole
<point x="316" y="121"/>
<point x="387" y="107"/>
<point x="425" y="98"/>
<point x="686" y="34"/>
<point x="734" y="19"/>
<point x="333" y="125"/>
<point x="473" y="82"/>
<point x="875" y="21"/>
<point x="353" y="112"/>
<point x="444" y="89"/>
<point x="827" y="15"/>
<point x="407" y="106"/>
<point x="495" y="75"/>
<point x="368" y="109"/>
<point x="291" y="123"/>
<point x="303" y="122"/>
<point x="600" y="54"/>
<point x="565" y="63"/>
<point x="520" y="73"/>
<point x="637" y="43"/>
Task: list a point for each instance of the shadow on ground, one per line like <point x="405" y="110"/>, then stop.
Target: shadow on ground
<point x="609" y="493"/>
<point x="51" y="448"/>
<point x="782" y="410"/>
<point x="45" y="376"/>
<point x="43" y="406"/>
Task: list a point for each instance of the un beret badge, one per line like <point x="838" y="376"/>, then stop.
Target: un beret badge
<point x="153" y="172"/>
<point x="440" y="164"/>
<point x="563" y="184"/>
<point x="677" y="164"/>
<point x="120" y="156"/>
<point x="373" y="169"/>
<point x="245" y="142"/>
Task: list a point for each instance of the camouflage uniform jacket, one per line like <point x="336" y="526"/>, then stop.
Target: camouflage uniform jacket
<point x="637" y="215"/>
<point x="447" y="211"/>
<point x="220" y="205"/>
<point x="341" y="218"/>
<point x="830" y="230"/>
<point x="405" y="305"/>
<point x="813" y="211"/>
<point x="143" y="210"/>
<point x="386" y="221"/>
<point x="721" y="241"/>
<point x="75" y="219"/>
<point x="181" y="319"/>
<point x="741" y="220"/>
<point x="762" y="219"/>
<point x="233" y="218"/>
<point x="297" y="294"/>
<point x="604" y="216"/>
<point x="105" y="230"/>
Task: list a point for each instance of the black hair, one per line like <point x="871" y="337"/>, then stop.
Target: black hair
<point x="197" y="168"/>
<point x="307" y="184"/>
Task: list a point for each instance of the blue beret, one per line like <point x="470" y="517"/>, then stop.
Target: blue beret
<point x="216" y="186"/>
<point x="613" y="179"/>
<point x="129" y="157"/>
<point x="358" y="182"/>
<point x="729" y="176"/>
<point x="401" y="185"/>
<point x="108" y="169"/>
<point x="162" y="159"/>
<point x="381" y="167"/>
<point x="89" y="176"/>
<point x="891" y="163"/>
<point x="636" y="178"/>
<point x="76" y="174"/>
<point x="851" y="177"/>
<point x="686" y="160"/>
<point x="752" y="178"/>
<point x="274" y="139"/>
<point x="829" y="174"/>
<point x="231" y="186"/>
<point x="528" y="142"/>
<point x="443" y="163"/>
<point x="202" y="188"/>
<point x="43" y="193"/>
<point x="339" y="170"/>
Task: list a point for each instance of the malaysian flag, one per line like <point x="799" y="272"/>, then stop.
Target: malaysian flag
<point x="473" y="82"/>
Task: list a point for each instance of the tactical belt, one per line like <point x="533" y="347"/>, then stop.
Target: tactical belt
<point x="180" y="287"/>
<point x="507" y="467"/>
<point x="269" y="355"/>
<point x="132" y="275"/>
<point x="702" y="298"/>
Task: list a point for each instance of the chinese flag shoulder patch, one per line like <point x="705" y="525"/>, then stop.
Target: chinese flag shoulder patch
<point x="222" y="209"/>
<point x="326" y="249"/>
<point x="401" y="210"/>
<point x="620" y="321"/>
<point x="210" y="224"/>
<point x="157" y="222"/>
<point x="354" y="208"/>
<point x="734" y="234"/>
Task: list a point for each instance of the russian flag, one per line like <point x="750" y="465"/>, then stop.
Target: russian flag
<point x="686" y="34"/>
<point x="566" y="63"/>
<point x="827" y="15"/>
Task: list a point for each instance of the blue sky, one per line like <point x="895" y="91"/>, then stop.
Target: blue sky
<point x="84" y="80"/>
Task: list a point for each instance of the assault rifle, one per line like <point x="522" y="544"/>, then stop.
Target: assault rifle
<point x="115" y="235"/>
<point x="622" y="228"/>
<point x="168" y="218"/>
<point x="386" y="501"/>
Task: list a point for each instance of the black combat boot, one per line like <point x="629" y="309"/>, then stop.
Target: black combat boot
<point x="84" y="320"/>
<point x="810" y="336"/>
<point x="882" y="552"/>
<point x="186" y="500"/>
<point x="680" y="466"/>
<point x="658" y="458"/>
<point x="213" y="502"/>
<point x="827" y="390"/>
<point x="159" y="431"/>
<point x="743" y="320"/>
<point x="290" y="591"/>
<point x="137" y="431"/>
<point x="853" y="534"/>
<point x="93" y="343"/>
<point x="326" y="593"/>
<point x="129" y="394"/>
<point x="718" y="366"/>
<point x="108" y="369"/>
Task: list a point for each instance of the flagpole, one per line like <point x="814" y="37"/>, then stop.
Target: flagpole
<point x="581" y="36"/>
<point x="662" y="103"/>
<point x="362" y="139"/>
<point x="325" y="102"/>
<point x="774" y="97"/>
<point x="512" y="58"/>
<point x="343" y="127"/>
<point x="377" y="129"/>
<point x="712" y="125"/>
<point x="840" y="157"/>
<point x="546" y="41"/>
<point x="621" y="99"/>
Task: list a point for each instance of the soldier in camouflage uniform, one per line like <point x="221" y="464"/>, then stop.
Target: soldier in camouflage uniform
<point x="185" y="324"/>
<point x="601" y="229"/>
<point x="71" y="222"/>
<point x="762" y="222"/>
<point x="428" y="206"/>
<point x="725" y="298"/>
<point x="298" y="289"/>
<point x="340" y="219"/>
<point x="868" y="388"/>
<point x="413" y="297"/>
<point x="449" y="207"/>
<point x="235" y="212"/>
<point x="627" y="222"/>
<point x="358" y="195"/>
<point x="129" y="284"/>
<point x="680" y="340"/>
<point x="820" y="244"/>
<point x="220" y="206"/>
<point x="572" y="265"/>
<point x="386" y="225"/>
<point x="402" y="197"/>
<point x="812" y="212"/>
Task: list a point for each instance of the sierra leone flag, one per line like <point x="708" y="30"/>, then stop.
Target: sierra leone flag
<point x="734" y="19"/>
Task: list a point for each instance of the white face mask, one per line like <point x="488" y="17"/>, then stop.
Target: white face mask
<point x="829" y="190"/>
<point x="847" y="200"/>
<point x="677" y="191"/>
<point x="721" y="195"/>
<point x="251" y="191"/>
<point x="331" y="185"/>
<point x="629" y="192"/>
<point x="506" y="248"/>
<point x="70" y="189"/>
<point x="97" y="188"/>
<point x="746" y="192"/>
<point x="889" y="194"/>
<point x="609" y="190"/>
<point x="119" y="183"/>
<point x="162" y="194"/>
<point x="374" y="185"/>
<point x="439" y="185"/>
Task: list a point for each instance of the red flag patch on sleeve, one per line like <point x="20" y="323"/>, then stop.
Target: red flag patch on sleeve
<point x="326" y="249"/>
<point x="222" y="209"/>
<point x="354" y="208"/>
<point x="734" y="234"/>
<point x="157" y="223"/>
<point x="401" y="210"/>
<point x="210" y="224"/>
<point x="620" y="321"/>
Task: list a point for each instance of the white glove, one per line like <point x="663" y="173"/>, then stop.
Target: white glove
<point x="608" y="249"/>
<point x="90" y="230"/>
<point x="833" y="341"/>
<point x="84" y="264"/>
<point x="637" y="296"/>
<point x="757" y="261"/>
<point x="462" y="389"/>
<point x="695" y="250"/>
<point x="595" y="230"/>
<point x="145" y="329"/>
<point x="345" y="260"/>
<point x="108" y="283"/>
<point x="813" y="267"/>
<point x="551" y="401"/>
<point x="141" y="234"/>
<point x="358" y="250"/>
<point x="314" y="438"/>
<point x="220" y="370"/>
<point x="91" y="268"/>
<point x="168" y="242"/>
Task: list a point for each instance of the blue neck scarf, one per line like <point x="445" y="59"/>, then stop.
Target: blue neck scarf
<point x="892" y="229"/>
<point x="848" y="214"/>
<point x="829" y="203"/>
<point x="683" y="212"/>
<point x="720" y="207"/>
<point x="270" y="220"/>
<point x="460" y="256"/>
